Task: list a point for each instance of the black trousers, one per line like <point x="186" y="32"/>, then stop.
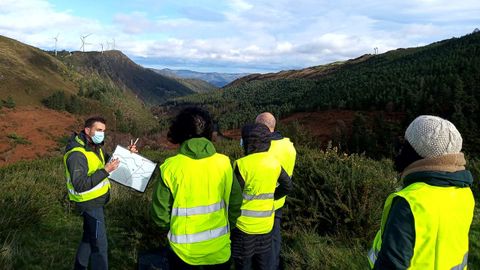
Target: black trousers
<point x="176" y="263"/>
<point x="252" y="251"/>
<point x="277" y="240"/>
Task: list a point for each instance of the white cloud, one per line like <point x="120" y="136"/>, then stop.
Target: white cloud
<point x="247" y="34"/>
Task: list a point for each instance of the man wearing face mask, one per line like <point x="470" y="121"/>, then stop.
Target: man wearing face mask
<point x="88" y="186"/>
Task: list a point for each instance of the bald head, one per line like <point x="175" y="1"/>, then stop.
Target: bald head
<point x="267" y="119"/>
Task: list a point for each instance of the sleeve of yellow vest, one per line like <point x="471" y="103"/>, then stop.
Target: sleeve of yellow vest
<point x="78" y="167"/>
<point x="285" y="185"/>
<point x="398" y="239"/>
<point x="235" y="202"/>
<point x="162" y="202"/>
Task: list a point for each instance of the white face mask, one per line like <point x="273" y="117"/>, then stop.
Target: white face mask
<point x="98" y="137"/>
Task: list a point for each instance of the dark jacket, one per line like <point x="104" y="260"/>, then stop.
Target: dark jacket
<point x="77" y="165"/>
<point x="256" y="139"/>
<point x="398" y="239"/>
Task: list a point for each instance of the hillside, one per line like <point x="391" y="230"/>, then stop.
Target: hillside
<point x="315" y="72"/>
<point x="214" y="78"/>
<point x="31" y="79"/>
<point x="28" y="74"/>
<point x="441" y="78"/>
<point x="149" y="86"/>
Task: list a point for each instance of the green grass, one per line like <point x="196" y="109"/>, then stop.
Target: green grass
<point x="39" y="228"/>
<point x="17" y="139"/>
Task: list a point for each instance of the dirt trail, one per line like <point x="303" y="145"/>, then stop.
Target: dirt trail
<point x="30" y="132"/>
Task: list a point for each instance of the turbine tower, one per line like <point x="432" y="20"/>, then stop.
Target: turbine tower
<point x="101" y="44"/>
<point x="82" y="38"/>
<point x="56" y="40"/>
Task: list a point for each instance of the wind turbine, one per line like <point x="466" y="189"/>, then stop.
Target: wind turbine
<point x="56" y="40"/>
<point x="82" y="38"/>
<point x="101" y="44"/>
<point x="113" y="44"/>
<point x="108" y="45"/>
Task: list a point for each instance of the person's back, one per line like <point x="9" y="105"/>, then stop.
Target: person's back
<point x="282" y="148"/>
<point x="440" y="232"/>
<point x="191" y="198"/>
<point x="199" y="232"/>
<point x="258" y="174"/>
<point x="426" y="224"/>
<point x="284" y="151"/>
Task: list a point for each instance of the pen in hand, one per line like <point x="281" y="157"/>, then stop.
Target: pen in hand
<point x="133" y="146"/>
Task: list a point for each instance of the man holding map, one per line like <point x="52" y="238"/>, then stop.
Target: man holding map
<point x="88" y="186"/>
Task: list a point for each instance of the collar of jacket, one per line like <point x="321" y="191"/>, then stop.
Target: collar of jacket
<point x="444" y="163"/>
<point x="276" y="135"/>
<point x="197" y="148"/>
<point x="446" y="170"/>
<point x="441" y="179"/>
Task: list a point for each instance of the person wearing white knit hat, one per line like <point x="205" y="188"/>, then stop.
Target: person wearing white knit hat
<point x="426" y="224"/>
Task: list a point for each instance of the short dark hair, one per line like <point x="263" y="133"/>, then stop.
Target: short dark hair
<point x="191" y="122"/>
<point x="92" y="120"/>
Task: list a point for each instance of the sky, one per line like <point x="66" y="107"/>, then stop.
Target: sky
<point x="247" y="36"/>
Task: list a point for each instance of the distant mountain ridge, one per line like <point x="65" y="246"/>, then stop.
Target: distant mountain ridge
<point x="151" y="87"/>
<point x="215" y="78"/>
<point x="315" y="72"/>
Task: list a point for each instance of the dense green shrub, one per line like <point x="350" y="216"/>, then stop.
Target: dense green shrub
<point x="337" y="194"/>
<point x="56" y="101"/>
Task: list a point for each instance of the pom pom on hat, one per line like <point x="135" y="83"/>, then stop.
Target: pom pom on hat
<point x="432" y="136"/>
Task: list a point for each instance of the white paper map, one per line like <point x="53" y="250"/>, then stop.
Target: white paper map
<point x="134" y="170"/>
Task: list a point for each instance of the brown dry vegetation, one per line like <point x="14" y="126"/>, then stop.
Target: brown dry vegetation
<point x="40" y="129"/>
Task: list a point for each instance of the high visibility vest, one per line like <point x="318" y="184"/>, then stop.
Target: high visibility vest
<point x="199" y="230"/>
<point x="260" y="171"/>
<point x="95" y="163"/>
<point x="443" y="216"/>
<point x="285" y="153"/>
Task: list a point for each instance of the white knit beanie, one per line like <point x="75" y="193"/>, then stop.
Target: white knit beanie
<point x="432" y="136"/>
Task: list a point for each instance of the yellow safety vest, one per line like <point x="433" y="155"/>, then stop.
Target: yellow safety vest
<point x="443" y="216"/>
<point x="95" y="163"/>
<point x="284" y="151"/>
<point x="199" y="230"/>
<point x="260" y="171"/>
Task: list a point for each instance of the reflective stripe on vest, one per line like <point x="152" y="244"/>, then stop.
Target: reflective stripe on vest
<point x="285" y="153"/>
<point x="260" y="171"/>
<point x="198" y="210"/>
<point x="94" y="163"/>
<point x="445" y="246"/>
<point x="463" y="264"/>
<point x="199" y="232"/>
<point x="372" y="257"/>
<point x="252" y="213"/>
<point x="198" y="237"/>
<point x="264" y="196"/>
